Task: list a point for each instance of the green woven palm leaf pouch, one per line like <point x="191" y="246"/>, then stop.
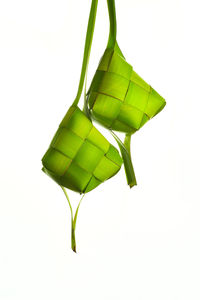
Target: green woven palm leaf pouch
<point x="79" y="156"/>
<point x="119" y="98"/>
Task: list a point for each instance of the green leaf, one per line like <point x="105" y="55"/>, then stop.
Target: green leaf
<point x="113" y="23"/>
<point x="88" y="43"/>
<point x="126" y="155"/>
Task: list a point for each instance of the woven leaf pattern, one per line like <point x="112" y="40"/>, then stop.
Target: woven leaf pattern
<point x="119" y="98"/>
<point x="79" y="157"/>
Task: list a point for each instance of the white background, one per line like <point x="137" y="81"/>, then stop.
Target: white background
<point x="136" y="244"/>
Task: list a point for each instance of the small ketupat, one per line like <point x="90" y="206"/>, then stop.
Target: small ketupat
<point x="79" y="156"/>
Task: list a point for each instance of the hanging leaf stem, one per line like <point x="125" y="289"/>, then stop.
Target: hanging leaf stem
<point x="126" y="155"/>
<point x="73" y="219"/>
<point x="88" y="44"/>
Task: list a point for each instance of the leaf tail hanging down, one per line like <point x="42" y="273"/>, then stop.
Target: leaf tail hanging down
<point x="87" y="49"/>
<point x="73" y="219"/>
<point x="126" y="155"/>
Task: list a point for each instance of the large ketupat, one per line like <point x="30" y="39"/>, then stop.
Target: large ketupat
<point x="119" y="98"/>
<point x="80" y="157"/>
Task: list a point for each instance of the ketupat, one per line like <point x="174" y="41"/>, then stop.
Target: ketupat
<point x="78" y="147"/>
<point x="118" y="98"/>
<point x="79" y="156"/>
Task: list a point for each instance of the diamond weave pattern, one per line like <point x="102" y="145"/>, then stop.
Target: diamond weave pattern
<point x="119" y="98"/>
<point x="79" y="157"/>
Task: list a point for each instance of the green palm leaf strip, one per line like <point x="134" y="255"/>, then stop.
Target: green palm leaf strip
<point x="73" y="219"/>
<point x="126" y="155"/>
<point x="87" y="49"/>
<point x="113" y="24"/>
